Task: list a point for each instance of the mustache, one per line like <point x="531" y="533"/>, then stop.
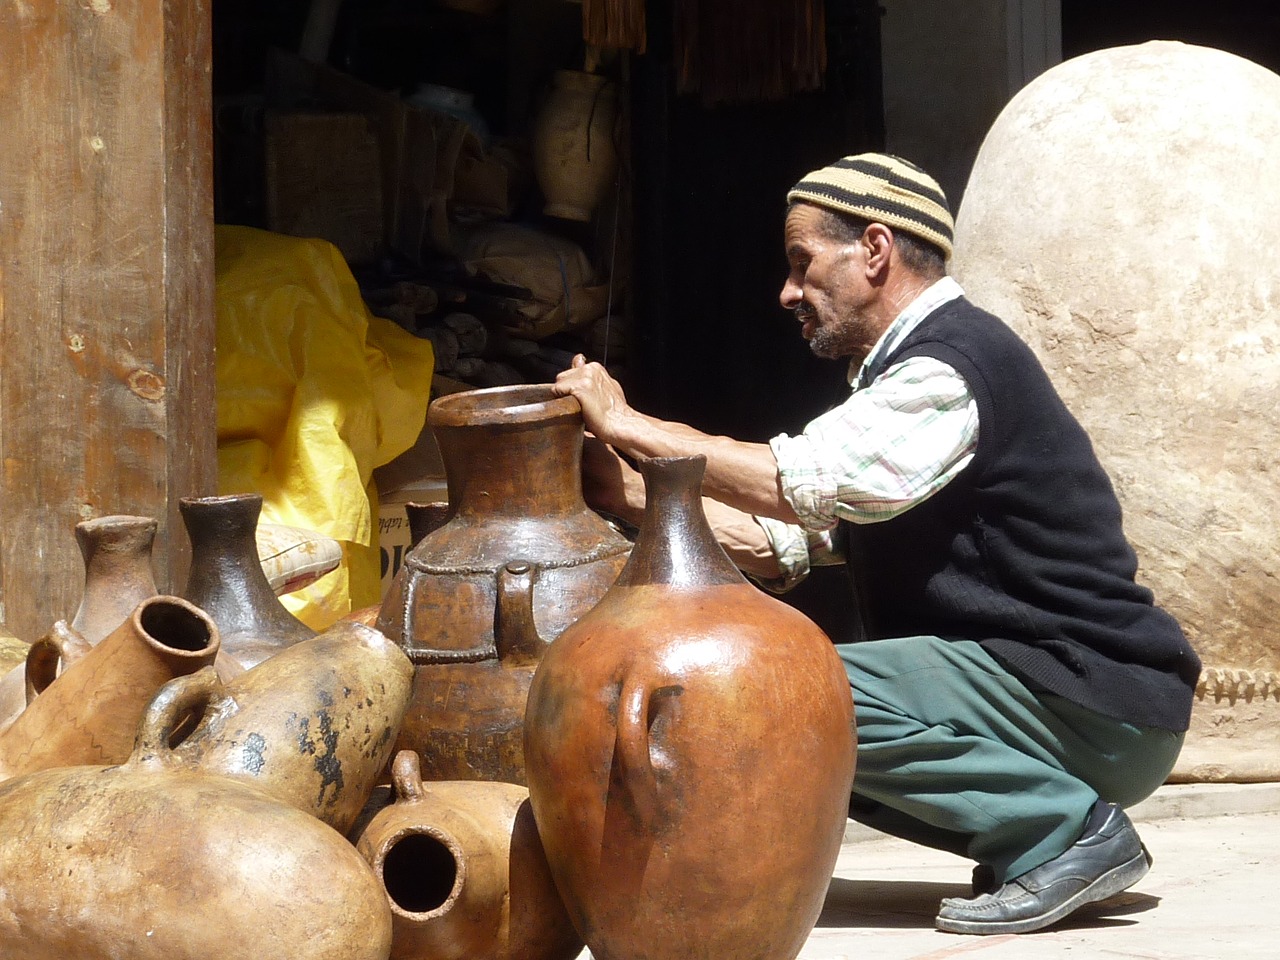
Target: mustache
<point x="805" y="312"/>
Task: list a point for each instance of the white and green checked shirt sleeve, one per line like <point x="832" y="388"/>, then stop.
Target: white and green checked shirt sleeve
<point x="902" y="435"/>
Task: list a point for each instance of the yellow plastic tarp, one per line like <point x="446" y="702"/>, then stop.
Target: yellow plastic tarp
<point x="313" y="392"/>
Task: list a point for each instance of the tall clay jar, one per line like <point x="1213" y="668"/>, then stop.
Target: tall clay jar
<point x="226" y="578"/>
<point x="464" y="872"/>
<point x="519" y="558"/>
<point x="690" y="751"/>
<point x="575" y="159"/>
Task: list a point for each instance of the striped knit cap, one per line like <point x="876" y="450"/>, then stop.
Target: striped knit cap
<point x="884" y="189"/>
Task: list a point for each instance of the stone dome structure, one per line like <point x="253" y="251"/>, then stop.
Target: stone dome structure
<point x="1123" y="215"/>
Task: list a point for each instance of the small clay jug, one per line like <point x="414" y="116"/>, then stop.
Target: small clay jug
<point x="89" y="714"/>
<point x="155" y="860"/>
<point x="518" y="558"/>
<point x="464" y="872"/>
<point x="227" y="581"/>
<point x="690" y="750"/>
<point x="312" y="725"/>
<point x="117" y="572"/>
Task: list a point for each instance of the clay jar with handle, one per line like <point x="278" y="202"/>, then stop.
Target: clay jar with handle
<point x="117" y="577"/>
<point x="519" y="557"/>
<point x="464" y="872"/>
<point x="226" y="578"/>
<point x="90" y="713"/>
<point x="152" y="860"/>
<point x="312" y="725"/>
<point x="690" y="751"/>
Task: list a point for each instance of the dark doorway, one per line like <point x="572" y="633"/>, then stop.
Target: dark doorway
<point x="1247" y="28"/>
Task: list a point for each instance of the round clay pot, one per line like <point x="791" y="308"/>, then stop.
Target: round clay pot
<point x="464" y="872"/>
<point x="690" y="751"/>
<point x="226" y="578"/>
<point x="519" y="557"/>
<point x="313" y="725"/>
<point x="90" y="712"/>
<point x="575" y="160"/>
<point x="150" y="860"/>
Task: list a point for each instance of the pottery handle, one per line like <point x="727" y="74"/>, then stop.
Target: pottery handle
<point x="514" y="632"/>
<point x="406" y="774"/>
<point x="175" y="703"/>
<point x="62" y="643"/>
<point x="632" y="750"/>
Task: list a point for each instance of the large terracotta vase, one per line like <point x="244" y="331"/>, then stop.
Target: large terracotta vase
<point x="575" y="159"/>
<point x="464" y="872"/>
<point x="519" y="558"/>
<point x="152" y="860"/>
<point x="227" y="581"/>
<point x="90" y="713"/>
<point x="313" y="725"/>
<point x="690" y="752"/>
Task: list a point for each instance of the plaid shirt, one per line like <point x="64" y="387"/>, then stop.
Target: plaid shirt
<point x="902" y="435"/>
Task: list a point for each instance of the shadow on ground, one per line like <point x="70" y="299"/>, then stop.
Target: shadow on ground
<point x="912" y="904"/>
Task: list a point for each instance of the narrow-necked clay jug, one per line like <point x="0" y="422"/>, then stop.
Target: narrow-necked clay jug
<point x="227" y="581"/>
<point x="313" y="725"/>
<point x="117" y="577"/>
<point x="690" y="751"/>
<point x="464" y="872"/>
<point x="90" y="713"/>
<point x="153" y="860"/>
<point x="519" y="558"/>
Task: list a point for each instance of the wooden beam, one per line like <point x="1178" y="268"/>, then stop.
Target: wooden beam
<point x="106" y="285"/>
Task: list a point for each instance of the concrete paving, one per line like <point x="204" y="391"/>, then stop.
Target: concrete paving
<point x="1211" y="893"/>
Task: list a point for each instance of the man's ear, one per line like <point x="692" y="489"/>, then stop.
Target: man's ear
<point x="877" y="239"/>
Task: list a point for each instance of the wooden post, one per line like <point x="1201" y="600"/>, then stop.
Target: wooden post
<point x="106" y="285"/>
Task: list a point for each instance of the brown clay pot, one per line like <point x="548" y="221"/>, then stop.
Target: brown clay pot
<point x="117" y="572"/>
<point x="464" y="872"/>
<point x="690" y="751"/>
<point x="519" y="558"/>
<point x="313" y="725"/>
<point x="227" y="581"/>
<point x="152" y="860"/>
<point x="575" y="159"/>
<point x="90" y="713"/>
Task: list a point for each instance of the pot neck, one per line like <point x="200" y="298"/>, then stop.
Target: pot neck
<point x="675" y="545"/>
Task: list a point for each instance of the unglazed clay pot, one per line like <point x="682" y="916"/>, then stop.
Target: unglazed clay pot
<point x="226" y="578"/>
<point x="574" y="156"/>
<point x="117" y="572"/>
<point x="690" y="751"/>
<point x="313" y="725"/>
<point x="519" y="558"/>
<point x="153" y="860"/>
<point x="464" y="872"/>
<point x="90" y="713"/>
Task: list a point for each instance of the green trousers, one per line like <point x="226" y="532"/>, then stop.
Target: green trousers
<point x="957" y="753"/>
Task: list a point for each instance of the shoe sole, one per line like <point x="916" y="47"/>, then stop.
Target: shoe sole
<point x="1108" y="885"/>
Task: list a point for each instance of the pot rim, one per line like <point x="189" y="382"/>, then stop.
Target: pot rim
<point x="499" y="406"/>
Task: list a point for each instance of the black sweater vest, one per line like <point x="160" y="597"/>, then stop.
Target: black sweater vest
<point x="1024" y="550"/>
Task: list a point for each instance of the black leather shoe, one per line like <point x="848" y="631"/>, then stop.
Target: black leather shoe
<point x="1106" y="859"/>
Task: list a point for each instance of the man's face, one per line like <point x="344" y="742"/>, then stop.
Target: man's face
<point x="827" y="286"/>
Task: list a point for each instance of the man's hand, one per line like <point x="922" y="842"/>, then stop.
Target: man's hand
<point x="601" y="397"/>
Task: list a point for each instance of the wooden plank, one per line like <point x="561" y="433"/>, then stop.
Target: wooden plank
<point x="106" y="285"/>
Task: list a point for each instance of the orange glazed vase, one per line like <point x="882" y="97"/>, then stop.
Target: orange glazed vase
<point x="519" y="557"/>
<point x="464" y="872"/>
<point x="690" y="750"/>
